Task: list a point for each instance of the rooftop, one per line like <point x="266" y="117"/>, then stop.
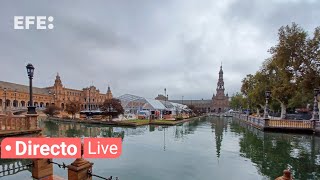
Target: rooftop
<point x="22" y="88"/>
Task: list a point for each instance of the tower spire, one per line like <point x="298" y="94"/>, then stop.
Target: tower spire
<point x="109" y="93"/>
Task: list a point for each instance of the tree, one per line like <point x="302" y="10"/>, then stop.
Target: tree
<point x="112" y="107"/>
<point x="52" y="110"/>
<point x="237" y="101"/>
<point x="254" y="87"/>
<point x="291" y="73"/>
<point x="73" y="107"/>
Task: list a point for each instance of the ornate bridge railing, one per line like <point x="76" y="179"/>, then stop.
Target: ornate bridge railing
<point x="18" y="122"/>
<point x="80" y="169"/>
<point x="301" y="124"/>
<point x="13" y="167"/>
<point x="263" y="124"/>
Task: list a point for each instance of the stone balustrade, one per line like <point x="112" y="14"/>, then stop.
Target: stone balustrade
<point x="10" y="122"/>
<point x="284" y="124"/>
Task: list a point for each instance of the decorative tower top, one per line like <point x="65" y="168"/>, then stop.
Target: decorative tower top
<point x="57" y="82"/>
<point x="109" y="93"/>
<point x="220" y="84"/>
<point x="221" y="71"/>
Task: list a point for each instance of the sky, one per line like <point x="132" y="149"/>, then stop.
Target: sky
<point x="141" y="47"/>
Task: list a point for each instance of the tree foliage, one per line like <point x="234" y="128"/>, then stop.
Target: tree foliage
<point x="237" y="102"/>
<point x="291" y="73"/>
<point x="112" y="107"/>
<point x="52" y="110"/>
<point x="73" y="107"/>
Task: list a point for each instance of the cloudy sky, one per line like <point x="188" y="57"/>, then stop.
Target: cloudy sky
<point x="141" y="47"/>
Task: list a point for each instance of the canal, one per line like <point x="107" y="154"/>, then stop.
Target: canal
<point x="207" y="148"/>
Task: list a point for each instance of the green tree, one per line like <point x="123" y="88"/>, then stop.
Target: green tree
<point x="291" y="73"/>
<point x="237" y="101"/>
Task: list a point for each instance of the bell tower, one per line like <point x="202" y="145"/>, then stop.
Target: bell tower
<point x="58" y="89"/>
<point x="109" y="93"/>
<point x="220" y="100"/>
<point x="220" y="84"/>
<point x="57" y="82"/>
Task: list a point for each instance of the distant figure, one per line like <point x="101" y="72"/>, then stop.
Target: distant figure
<point x="286" y="176"/>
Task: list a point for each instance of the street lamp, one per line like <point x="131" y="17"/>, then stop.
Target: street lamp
<point x="15" y="99"/>
<point x="50" y="97"/>
<point x="315" y="113"/>
<point x="267" y="95"/>
<point x="30" y="71"/>
<point x="89" y="99"/>
<point x="5" y="99"/>
<point x="248" y="106"/>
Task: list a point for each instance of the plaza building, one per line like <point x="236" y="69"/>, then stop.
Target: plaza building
<point x="16" y="96"/>
<point x="219" y="102"/>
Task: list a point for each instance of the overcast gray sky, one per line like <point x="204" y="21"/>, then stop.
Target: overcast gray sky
<point x="143" y="46"/>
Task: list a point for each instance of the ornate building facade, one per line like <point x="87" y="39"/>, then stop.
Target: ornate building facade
<point x="17" y="96"/>
<point x="219" y="102"/>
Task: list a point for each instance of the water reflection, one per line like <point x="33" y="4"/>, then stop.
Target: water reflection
<point x="273" y="152"/>
<point x="208" y="146"/>
<point x="218" y="126"/>
<point x="57" y="129"/>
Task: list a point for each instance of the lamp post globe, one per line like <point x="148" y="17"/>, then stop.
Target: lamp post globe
<point x="30" y="70"/>
<point x="31" y="107"/>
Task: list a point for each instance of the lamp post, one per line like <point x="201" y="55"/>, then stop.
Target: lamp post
<point x="50" y="97"/>
<point x="248" y="106"/>
<point x="266" y="114"/>
<point x="30" y="71"/>
<point x="5" y="99"/>
<point x="15" y="99"/>
<point x="315" y="113"/>
<point x="89" y="99"/>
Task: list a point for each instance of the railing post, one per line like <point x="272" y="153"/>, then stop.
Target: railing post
<point x="2" y="120"/>
<point x="42" y="169"/>
<point x="266" y="122"/>
<point x="31" y="121"/>
<point x="78" y="170"/>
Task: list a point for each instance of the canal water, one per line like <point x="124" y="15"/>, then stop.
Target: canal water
<point x="205" y="149"/>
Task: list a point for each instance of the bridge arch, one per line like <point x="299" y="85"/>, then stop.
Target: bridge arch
<point x="41" y="104"/>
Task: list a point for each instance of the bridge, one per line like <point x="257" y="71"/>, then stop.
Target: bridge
<point x="306" y="126"/>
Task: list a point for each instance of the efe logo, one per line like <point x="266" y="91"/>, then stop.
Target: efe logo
<point x="39" y="22"/>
